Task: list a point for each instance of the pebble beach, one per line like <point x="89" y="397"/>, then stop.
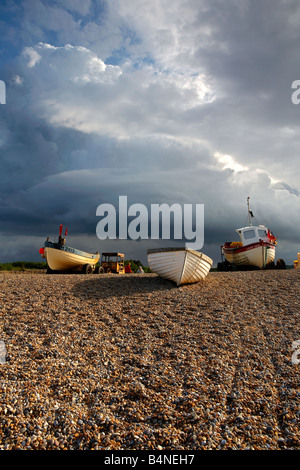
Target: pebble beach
<point x="131" y="362"/>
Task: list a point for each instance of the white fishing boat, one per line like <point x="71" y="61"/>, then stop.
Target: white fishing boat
<point x="180" y="265"/>
<point x="61" y="257"/>
<point x="256" y="247"/>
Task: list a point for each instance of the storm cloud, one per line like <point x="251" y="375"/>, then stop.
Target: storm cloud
<point x="167" y="102"/>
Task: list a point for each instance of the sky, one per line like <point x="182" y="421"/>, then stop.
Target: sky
<point x="168" y="101"/>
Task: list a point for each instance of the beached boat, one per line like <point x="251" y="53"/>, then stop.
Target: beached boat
<point x="180" y="265"/>
<point x="256" y="247"/>
<point x="61" y="257"/>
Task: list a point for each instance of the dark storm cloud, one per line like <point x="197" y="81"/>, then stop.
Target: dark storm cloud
<point x="162" y="102"/>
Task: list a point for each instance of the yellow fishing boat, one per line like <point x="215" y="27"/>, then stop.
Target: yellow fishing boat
<point x="61" y="257"/>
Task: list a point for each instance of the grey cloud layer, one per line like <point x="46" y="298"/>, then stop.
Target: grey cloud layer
<point x="163" y="104"/>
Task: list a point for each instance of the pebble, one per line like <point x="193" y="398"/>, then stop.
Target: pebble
<point x="133" y="362"/>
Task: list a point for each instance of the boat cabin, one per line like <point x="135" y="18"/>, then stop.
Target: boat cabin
<point x="253" y="234"/>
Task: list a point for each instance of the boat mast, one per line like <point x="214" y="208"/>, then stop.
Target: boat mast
<point x="249" y="212"/>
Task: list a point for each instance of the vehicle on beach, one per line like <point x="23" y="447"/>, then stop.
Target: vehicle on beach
<point x="180" y="265"/>
<point x="256" y="247"/>
<point x="111" y="263"/>
<point x="63" y="258"/>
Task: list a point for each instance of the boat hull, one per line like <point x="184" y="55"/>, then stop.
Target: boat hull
<point x="180" y="265"/>
<point x="257" y="254"/>
<point x="64" y="258"/>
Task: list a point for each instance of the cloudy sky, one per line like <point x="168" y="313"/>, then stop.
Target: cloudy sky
<point x="168" y="101"/>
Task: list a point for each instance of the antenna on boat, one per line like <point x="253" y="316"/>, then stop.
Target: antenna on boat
<point x="250" y="213"/>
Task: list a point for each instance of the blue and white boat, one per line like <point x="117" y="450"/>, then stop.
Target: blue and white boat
<point x="61" y="257"/>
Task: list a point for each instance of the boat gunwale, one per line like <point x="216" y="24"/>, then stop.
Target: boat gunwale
<point x="200" y="255"/>
<point x="162" y="250"/>
<point x="71" y="250"/>
<point x="251" y="246"/>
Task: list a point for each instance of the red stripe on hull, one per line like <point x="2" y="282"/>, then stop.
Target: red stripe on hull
<point x="247" y="248"/>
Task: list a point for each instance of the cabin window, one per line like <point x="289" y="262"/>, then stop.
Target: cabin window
<point x="262" y="233"/>
<point x="249" y="234"/>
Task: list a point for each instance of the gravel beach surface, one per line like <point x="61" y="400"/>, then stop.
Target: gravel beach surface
<point x="133" y="362"/>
